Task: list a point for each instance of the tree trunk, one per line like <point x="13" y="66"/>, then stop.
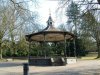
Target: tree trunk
<point x="0" y="53"/>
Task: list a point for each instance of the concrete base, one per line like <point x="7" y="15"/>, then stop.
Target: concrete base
<point x="40" y="61"/>
<point x="59" y="61"/>
<point x="71" y="60"/>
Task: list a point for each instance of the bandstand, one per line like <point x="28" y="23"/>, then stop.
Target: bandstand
<point x="49" y="34"/>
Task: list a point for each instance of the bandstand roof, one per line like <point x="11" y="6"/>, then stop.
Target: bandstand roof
<point x="50" y="34"/>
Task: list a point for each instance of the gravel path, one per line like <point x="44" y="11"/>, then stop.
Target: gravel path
<point x="86" y="67"/>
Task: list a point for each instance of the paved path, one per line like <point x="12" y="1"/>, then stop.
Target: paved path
<point x="90" y="67"/>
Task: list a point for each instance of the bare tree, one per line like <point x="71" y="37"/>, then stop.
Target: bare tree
<point x="14" y="16"/>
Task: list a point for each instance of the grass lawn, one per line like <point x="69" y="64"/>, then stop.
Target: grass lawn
<point x="90" y="56"/>
<point x="13" y="60"/>
<point x="2" y="60"/>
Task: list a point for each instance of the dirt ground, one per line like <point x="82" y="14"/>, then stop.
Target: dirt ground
<point x="82" y="67"/>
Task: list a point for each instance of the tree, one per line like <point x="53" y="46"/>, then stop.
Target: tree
<point x="14" y="16"/>
<point x="21" y="47"/>
<point x="73" y="23"/>
<point x="91" y="26"/>
<point x="6" y="48"/>
<point x="3" y="28"/>
<point x="72" y="12"/>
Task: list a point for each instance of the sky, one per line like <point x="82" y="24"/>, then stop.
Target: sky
<point x="45" y="8"/>
<point x="50" y="6"/>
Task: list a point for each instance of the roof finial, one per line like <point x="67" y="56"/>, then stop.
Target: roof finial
<point x="49" y="12"/>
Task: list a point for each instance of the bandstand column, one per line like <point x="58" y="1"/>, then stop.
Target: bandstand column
<point x="74" y="46"/>
<point x="65" y="54"/>
<point x="68" y="48"/>
<point x="29" y="50"/>
<point x="44" y="47"/>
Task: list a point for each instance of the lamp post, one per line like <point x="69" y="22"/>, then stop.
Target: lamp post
<point x="98" y="1"/>
<point x="25" y="68"/>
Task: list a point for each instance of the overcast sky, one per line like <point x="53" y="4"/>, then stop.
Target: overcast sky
<point x="45" y="7"/>
<point x="49" y="6"/>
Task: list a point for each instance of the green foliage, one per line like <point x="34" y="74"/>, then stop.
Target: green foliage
<point x="48" y="49"/>
<point x="20" y="48"/>
<point x="57" y="48"/>
<point x="80" y="49"/>
<point x="6" y="51"/>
